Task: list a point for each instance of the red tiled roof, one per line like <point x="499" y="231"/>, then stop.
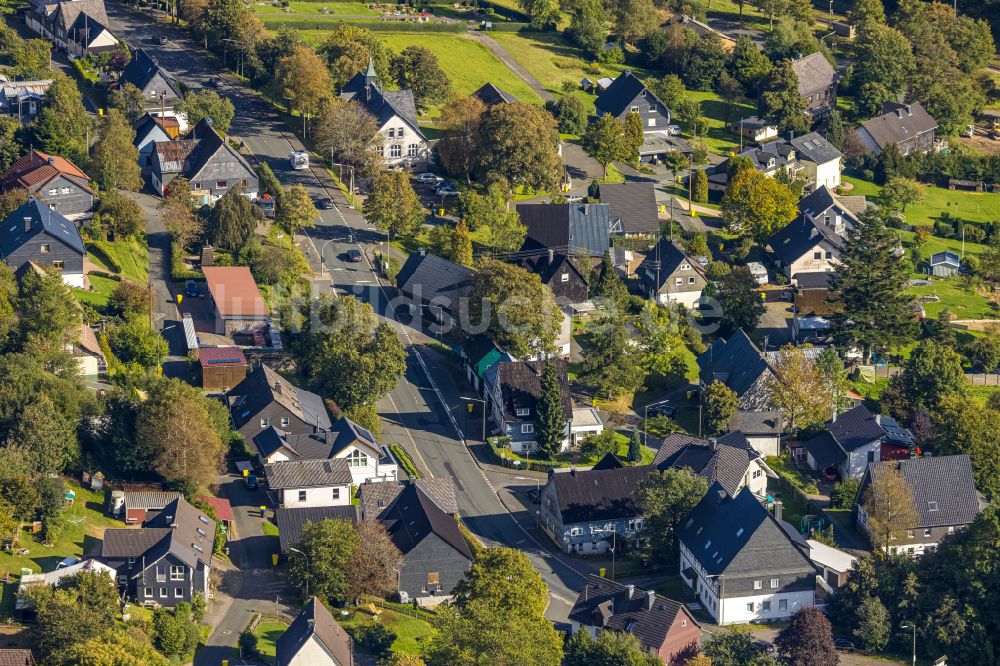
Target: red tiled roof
<point x="38" y="167"/>
<point x="234" y="291"/>
<point x="223" y="509"/>
<point x="221" y="357"/>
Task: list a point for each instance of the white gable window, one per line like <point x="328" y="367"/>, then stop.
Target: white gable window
<point x="635" y="109"/>
<point x="284" y="421"/>
<point x="758" y="585"/>
<point x="45" y="248"/>
<point x="523" y="411"/>
<point x="395" y="150"/>
<point x="685" y="266"/>
<point x="678" y="281"/>
<point x="357" y="458"/>
<point x="564" y="277"/>
<point x="412" y="150"/>
<point x="774" y="583"/>
<point x="265" y="422"/>
<point x="527" y="428"/>
<point x="392" y="133"/>
<point x="176" y="572"/>
<point x="53" y="191"/>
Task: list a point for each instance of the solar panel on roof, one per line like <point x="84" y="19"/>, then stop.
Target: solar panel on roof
<point x="228" y="359"/>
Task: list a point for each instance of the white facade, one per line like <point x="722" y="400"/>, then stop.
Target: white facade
<point x="766" y="445"/>
<point x="586" y="421"/>
<point x="401" y="144"/>
<point x="686" y="298"/>
<point x="312" y="653"/>
<point x="819" y="175"/>
<point x="73" y="279"/>
<point x="823" y="257"/>
<point x="362" y="461"/>
<point x="298" y="498"/>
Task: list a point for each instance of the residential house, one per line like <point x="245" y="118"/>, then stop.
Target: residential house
<point x="848" y="443"/>
<point x="292" y="521"/>
<point x="221" y="367"/>
<point x="306" y="483"/>
<point x="89" y="36"/>
<point x="479" y="354"/>
<point x="513" y="395"/>
<point x="817" y="83"/>
<point x="374" y="499"/>
<point x="663" y="627"/>
<point x="140" y="502"/>
<point x="491" y="95"/>
<point x="57" y="21"/>
<point x="945" y="264"/>
<point x="812" y="242"/>
<point x="166" y="561"/>
<point x="236" y="302"/>
<point x="22" y="99"/>
<point x="36" y="235"/>
<point x="565" y="276"/>
<point x="755" y="129"/>
<point x="205" y="158"/>
<point x="908" y="126"/>
<point x="314" y="639"/>
<point x="627" y="94"/>
<point x="812" y="308"/>
<point x="440" y="286"/>
<point x="821" y="162"/>
<point x="265" y="399"/>
<point x="88" y="354"/>
<point x="762" y="430"/>
<point x="657" y="145"/>
<point x="740" y="563"/>
<point x="701" y="29"/>
<point x="345" y="440"/>
<point x="670" y="276"/>
<point x="149" y="131"/>
<point x="633" y="208"/>
<point x="728" y="460"/>
<point x="159" y="87"/>
<point x="944" y="499"/>
<point x="588" y="511"/>
<point x="403" y="143"/>
<point x="435" y="554"/>
<point x="834" y="564"/>
<point x="741" y="366"/>
<point x="222" y="508"/>
<point x="586" y="422"/>
<point x="56" y="181"/>
<point x="24" y="603"/>
<point x="16" y="657"/>
<point x="580" y="229"/>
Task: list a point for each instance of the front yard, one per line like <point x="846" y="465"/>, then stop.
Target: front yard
<point x="268" y="632"/>
<point x="412" y="633"/>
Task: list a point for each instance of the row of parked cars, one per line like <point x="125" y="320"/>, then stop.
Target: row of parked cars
<point x="440" y="186"/>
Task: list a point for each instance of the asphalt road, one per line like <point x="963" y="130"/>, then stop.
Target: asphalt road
<point x="414" y="412"/>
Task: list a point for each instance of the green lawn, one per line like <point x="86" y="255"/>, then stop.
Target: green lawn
<point x="314" y="9"/>
<point x="100" y="293"/>
<point x="962" y="301"/>
<point x="268" y="632"/>
<point x="783" y="467"/>
<point x="412" y="633"/>
<point x="969" y="206"/>
<point x="130" y="255"/>
<point x="84" y="524"/>
<point x="719" y="138"/>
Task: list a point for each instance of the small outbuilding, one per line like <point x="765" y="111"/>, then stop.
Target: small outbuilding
<point x="945" y="264"/>
<point x="236" y="301"/>
<point x="221" y="367"/>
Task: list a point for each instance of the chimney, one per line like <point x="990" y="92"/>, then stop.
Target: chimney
<point x="713" y="443"/>
<point x="720" y="496"/>
<point x="909" y="112"/>
<point x="422" y="251"/>
<point x="777" y="510"/>
<point x="650" y="599"/>
<point x="630" y="591"/>
<point x="899" y="113"/>
<point x="552" y="256"/>
<point x="27" y="223"/>
<point x="52" y="160"/>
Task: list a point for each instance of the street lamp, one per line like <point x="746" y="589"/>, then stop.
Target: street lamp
<point x="614" y="546"/>
<point x="308" y="567"/>
<point x="912" y="626"/>
<point x="484" y="413"/>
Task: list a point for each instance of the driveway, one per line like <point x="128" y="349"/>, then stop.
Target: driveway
<point x="775" y="327"/>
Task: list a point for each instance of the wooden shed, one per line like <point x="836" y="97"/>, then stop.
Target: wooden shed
<point x="221" y="367"/>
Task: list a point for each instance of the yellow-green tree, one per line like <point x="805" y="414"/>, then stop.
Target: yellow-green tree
<point x="295" y="210"/>
<point x="461" y="244"/>
<point x="798" y="390"/>
<point x="756" y="206"/>
<point x="303" y="81"/>
<point x="393" y="206"/>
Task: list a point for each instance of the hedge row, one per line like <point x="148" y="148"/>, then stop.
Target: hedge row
<point x="307" y="23"/>
<point x="511" y="27"/>
<point x="404" y="461"/>
<point x="178" y="271"/>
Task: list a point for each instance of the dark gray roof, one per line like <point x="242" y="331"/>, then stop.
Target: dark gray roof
<point x="855" y="427"/>
<point x="725" y="460"/>
<point x="414" y="515"/>
<point x="180" y="529"/>
<point x="567" y="228"/>
<point x="586" y="495"/>
<point x="16" y="657"/>
<point x="670" y="257"/>
<point x="815" y="73"/>
<point x="824" y="450"/>
<point x="192" y="529"/>
<point x="815" y="148"/>
<point x="364" y="89"/>
<point x="608" y="605"/>
<point x="736" y="362"/>
<point x="142" y="68"/>
<point x="949" y="258"/>
<point x="43" y="220"/>
<point x="291" y="521"/>
<point x="264" y="386"/>
<point x="213" y="158"/>
<point x="625" y="88"/>
<point x="813" y="279"/>
<point x="307" y="473"/>
<point x="315" y="621"/>
<point x="609" y="461"/>
<point x="375" y="498"/>
<point x="738" y="536"/>
<point x="491" y="95"/>
<point x="320" y="445"/>
<point x="898" y="123"/>
<point x="70" y="10"/>
<point x="803" y="233"/>
<point x="943" y="489"/>
<point x="430" y="276"/>
<point x="521" y="385"/>
<point x="121" y="542"/>
<point x="634" y="204"/>
<point x="756" y="423"/>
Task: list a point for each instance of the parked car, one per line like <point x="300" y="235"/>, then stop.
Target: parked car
<point x="251" y="482"/>
<point x="428" y="177"/>
<point x="673" y="130"/>
<point x="843" y="644"/>
<point x="161" y="39"/>
<point x="324" y="203"/>
<point x="574" y="198"/>
<point x="191" y="289"/>
<point x="665" y="408"/>
<point x="446" y="191"/>
<point x="354" y="256"/>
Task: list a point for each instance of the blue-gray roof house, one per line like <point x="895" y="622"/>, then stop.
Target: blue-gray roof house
<point x="36" y="234"/>
<point x="741" y="366"/>
<point x="945" y="264"/>
<point x="570" y="229"/>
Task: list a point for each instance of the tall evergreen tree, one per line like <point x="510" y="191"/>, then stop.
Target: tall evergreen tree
<point x="873" y="311"/>
<point x="551" y="418"/>
<point x="634" y="447"/>
<point x="613" y="364"/>
<point x="781" y="102"/>
<point x="608" y="284"/>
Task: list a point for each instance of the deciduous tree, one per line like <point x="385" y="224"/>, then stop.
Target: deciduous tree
<point x="899" y="192"/>
<point x="606" y="140"/>
<point x="666" y="498"/>
<point x="64" y="125"/>
<point x="371" y="569"/>
<point x="755" y="206"/>
<point x="735" y="648"/>
<point x="233" y="220"/>
<point x="119" y="215"/>
<point x="873" y="624"/>
<point x="740" y="301"/>
<point x="589" y="25"/>
<point x="134" y="341"/>
<point x="867" y="11"/>
<point x="883" y="68"/>
<point x="500" y="229"/>
<point x="295" y="210"/>
<point x="461" y="244"/>
<point x="346" y="132"/>
<point x="808" y="639"/>
<point x="392" y="206"/>
<point x="208" y="104"/>
<point x="634" y="18"/>
<point x="542" y="13"/>
<point x="328" y="548"/>
<point x="889" y="509"/>
<point x="116" y="160"/>
<point x="610" y="647"/>
<point x="932" y="372"/>
<point x="571" y="112"/>
<point x="130" y="101"/>
<point x="416" y="68"/>
<point x="721" y="404"/>
<point x="781" y="103"/>
<point x="519" y="312"/>
<point x="659" y="336"/>
<point x="518" y="144"/>
<point x="963" y="425"/>
<point x="798" y="390"/>
<point x="348" y="51"/>
<point x="458" y="147"/>
<point x="700" y="186"/>
<point x="749" y="65"/>
<point x="47" y="438"/>
<point x="613" y="365"/>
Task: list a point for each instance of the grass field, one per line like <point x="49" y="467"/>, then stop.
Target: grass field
<point x="268" y="632"/>
<point x="100" y="293"/>
<point x="130" y="255"/>
<point x="84" y="524"/>
<point x="969" y="206"/>
<point x="411" y="633"/>
<point x="314" y="9"/>
<point x="957" y="298"/>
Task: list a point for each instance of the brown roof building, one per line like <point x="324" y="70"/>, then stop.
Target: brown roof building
<point x="52" y="179"/>
<point x="221" y="367"/>
<point x="236" y="301"/>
